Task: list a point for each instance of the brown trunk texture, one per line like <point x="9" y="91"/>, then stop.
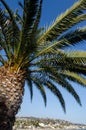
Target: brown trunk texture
<point x="11" y="92"/>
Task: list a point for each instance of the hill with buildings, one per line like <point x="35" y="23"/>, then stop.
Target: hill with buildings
<point x="37" y="123"/>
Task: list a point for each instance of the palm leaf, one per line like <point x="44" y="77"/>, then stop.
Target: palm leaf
<point x="77" y="54"/>
<point x="30" y="85"/>
<point x="29" y="17"/>
<point x="64" y="22"/>
<point x="3" y="34"/>
<point x="30" y="10"/>
<point x="49" y="49"/>
<point x="37" y="19"/>
<point x="73" y="61"/>
<point x="55" y="76"/>
<point x="74" y="77"/>
<point x="56" y="92"/>
<point x="12" y="31"/>
<point x="40" y="87"/>
<point x="73" y="37"/>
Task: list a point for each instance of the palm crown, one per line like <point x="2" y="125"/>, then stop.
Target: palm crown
<point x="40" y="53"/>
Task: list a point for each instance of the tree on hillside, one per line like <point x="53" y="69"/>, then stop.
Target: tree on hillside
<point x="38" y="56"/>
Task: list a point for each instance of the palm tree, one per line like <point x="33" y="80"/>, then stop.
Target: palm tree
<point x="38" y="55"/>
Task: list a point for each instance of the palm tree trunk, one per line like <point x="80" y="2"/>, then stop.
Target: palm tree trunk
<point x="11" y="92"/>
<point x="7" y="117"/>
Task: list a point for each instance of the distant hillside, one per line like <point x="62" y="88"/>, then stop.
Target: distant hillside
<point x="32" y="122"/>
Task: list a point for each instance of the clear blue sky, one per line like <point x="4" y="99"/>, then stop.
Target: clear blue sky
<point x="51" y="9"/>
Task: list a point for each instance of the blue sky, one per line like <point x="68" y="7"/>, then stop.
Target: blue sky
<point x="51" y="9"/>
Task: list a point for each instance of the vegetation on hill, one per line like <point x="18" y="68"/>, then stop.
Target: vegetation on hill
<point x="33" y="122"/>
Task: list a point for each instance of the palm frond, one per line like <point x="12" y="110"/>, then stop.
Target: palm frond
<point x="64" y="22"/>
<point x="30" y="10"/>
<point x="76" y="62"/>
<point x="56" y="92"/>
<point x="55" y="77"/>
<point x="34" y="78"/>
<point x="42" y="74"/>
<point x="73" y="61"/>
<point x="73" y="37"/>
<point x="8" y="9"/>
<point x="21" y="5"/>
<point x="53" y="72"/>
<point x="72" y="66"/>
<point x="34" y="32"/>
<point x="3" y="34"/>
<point x="13" y="30"/>
<point x="76" y="54"/>
<point x="74" y="77"/>
<point x="40" y="87"/>
<point x="30" y="86"/>
<point x="65" y="84"/>
<point x="29" y="17"/>
<point x="37" y="20"/>
<point x="45" y="50"/>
